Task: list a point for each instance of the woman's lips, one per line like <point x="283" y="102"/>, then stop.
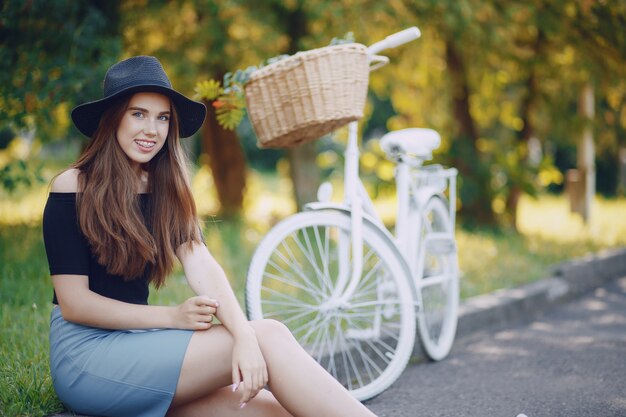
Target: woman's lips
<point x="145" y="145"/>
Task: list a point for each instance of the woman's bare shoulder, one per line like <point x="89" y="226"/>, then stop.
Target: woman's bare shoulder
<point x="66" y="181"/>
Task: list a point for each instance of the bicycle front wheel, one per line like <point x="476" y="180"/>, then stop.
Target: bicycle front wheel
<point x="298" y="275"/>
<point x="439" y="281"/>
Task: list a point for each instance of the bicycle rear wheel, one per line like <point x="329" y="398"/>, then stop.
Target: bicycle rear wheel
<point x="438" y="281"/>
<point x="296" y="277"/>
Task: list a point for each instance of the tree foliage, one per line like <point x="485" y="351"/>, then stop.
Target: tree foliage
<point x="53" y="53"/>
<point x="500" y="80"/>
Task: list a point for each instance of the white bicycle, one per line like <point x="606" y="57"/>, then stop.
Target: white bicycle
<point x="350" y="291"/>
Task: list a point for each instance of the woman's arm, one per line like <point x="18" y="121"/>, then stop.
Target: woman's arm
<point x="81" y="305"/>
<point x="207" y="278"/>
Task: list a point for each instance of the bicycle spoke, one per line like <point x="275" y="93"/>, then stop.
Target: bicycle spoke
<point x="325" y="245"/>
<point x="296" y="317"/>
<point x="371" y="272"/>
<point x="390" y="334"/>
<point x="293" y="284"/>
<point x="284" y="312"/>
<point x="290" y="264"/>
<point x="380" y="354"/>
<point x="353" y="365"/>
<point x="318" y="320"/>
<point x="293" y="262"/>
<point x="380" y="340"/>
<point x="323" y="249"/>
<point x="324" y="336"/>
<point x="313" y="329"/>
<point x="308" y="253"/>
<point x="331" y="361"/>
<point x="375" y="303"/>
<point x="345" y="362"/>
<point x="295" y="302"/>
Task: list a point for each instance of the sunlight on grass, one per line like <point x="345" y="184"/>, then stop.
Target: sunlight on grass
<point x="549" y="217"/>
<point x="269" y="198"/>
<point x="24" y="207"/>
<point x="204" y="192"/>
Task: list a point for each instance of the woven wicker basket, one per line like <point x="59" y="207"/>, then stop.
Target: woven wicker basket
<point x="307" y="95"/>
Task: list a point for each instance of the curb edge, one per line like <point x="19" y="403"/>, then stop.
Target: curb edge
<point x="568" y="280"/>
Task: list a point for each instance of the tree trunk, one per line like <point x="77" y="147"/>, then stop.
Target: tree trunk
<point x="621" y="163"/>
<point x="302" y="167"/>
<point x="304" y="173"/>
<point x="475" y="193"/>
<point x="527" y="108"/>
<point x="528" y="130"/>
<point x="227" y="162"/>
<point x="586" y="152"/>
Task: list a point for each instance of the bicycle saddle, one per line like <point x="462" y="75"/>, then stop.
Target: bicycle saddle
<point x="417" y="142"/>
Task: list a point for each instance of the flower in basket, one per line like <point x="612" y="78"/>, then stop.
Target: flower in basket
<point x="228" y="97"/>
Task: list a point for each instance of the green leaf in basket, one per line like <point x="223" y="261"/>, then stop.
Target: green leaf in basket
<point x="208" y="90"/>
<point x="347" y="38"/>
<point x="229" y="118"/>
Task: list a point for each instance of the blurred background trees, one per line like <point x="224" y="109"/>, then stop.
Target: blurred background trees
<point x="501" y="81"/>
<point x="49" y="53"/>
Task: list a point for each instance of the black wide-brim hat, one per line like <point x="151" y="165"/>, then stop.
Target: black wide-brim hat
<point x="134" y="75"/>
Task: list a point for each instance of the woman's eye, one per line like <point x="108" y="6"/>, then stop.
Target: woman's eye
<point x="137" y="114"/>
<point x="164" y="118"/>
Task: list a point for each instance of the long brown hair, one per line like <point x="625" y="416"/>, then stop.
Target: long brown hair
<point x="108" y="204"/>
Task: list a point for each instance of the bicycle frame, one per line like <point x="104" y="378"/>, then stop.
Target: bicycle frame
<point x="410" y="198"/>
<point x="355" y="295"/>
<point x="414" y="189"/>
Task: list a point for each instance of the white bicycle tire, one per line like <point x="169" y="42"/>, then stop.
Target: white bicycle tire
<point x="261" y="273"/>
<point x="437" y="329"/>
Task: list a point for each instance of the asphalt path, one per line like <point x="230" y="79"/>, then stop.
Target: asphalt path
<point x="567" y="361"/>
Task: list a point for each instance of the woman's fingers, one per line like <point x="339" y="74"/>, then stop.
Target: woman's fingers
<point x="197" y="313"/>
<point x="205" y="309"/>
<point x="236" y="378"/>
<point x="252" y="384"/>
<point x="202" y="300"/>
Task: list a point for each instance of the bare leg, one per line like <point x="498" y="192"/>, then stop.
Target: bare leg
<point x="224" y="402"/>
<point x="299" y="383"/>
<point x="204" y="385"/>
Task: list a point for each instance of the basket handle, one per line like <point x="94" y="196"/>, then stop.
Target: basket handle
<point x="397" y="39"/>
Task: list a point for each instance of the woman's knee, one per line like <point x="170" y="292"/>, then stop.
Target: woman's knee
<point x="268" y="330"/>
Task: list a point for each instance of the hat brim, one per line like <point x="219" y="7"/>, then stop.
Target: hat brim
<point x="191" y="114"/>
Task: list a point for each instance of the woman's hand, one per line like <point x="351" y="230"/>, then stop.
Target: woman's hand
<point x="196" y="313"/>
<point x="249" y="369"/>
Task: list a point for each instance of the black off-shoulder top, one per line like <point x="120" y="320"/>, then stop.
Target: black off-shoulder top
<point x="69" y="253"/>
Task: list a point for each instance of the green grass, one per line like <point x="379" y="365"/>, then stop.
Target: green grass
<point x="25" y="296"/>
<point x="488" y="259"/>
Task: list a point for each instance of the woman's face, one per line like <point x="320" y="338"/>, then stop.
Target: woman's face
<point x="144" y="126"/>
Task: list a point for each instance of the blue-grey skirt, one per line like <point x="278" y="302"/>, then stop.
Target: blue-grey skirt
<point x="115" y="373"/>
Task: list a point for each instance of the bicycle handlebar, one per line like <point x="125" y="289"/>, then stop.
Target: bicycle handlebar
<point x="397" y="39"/>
